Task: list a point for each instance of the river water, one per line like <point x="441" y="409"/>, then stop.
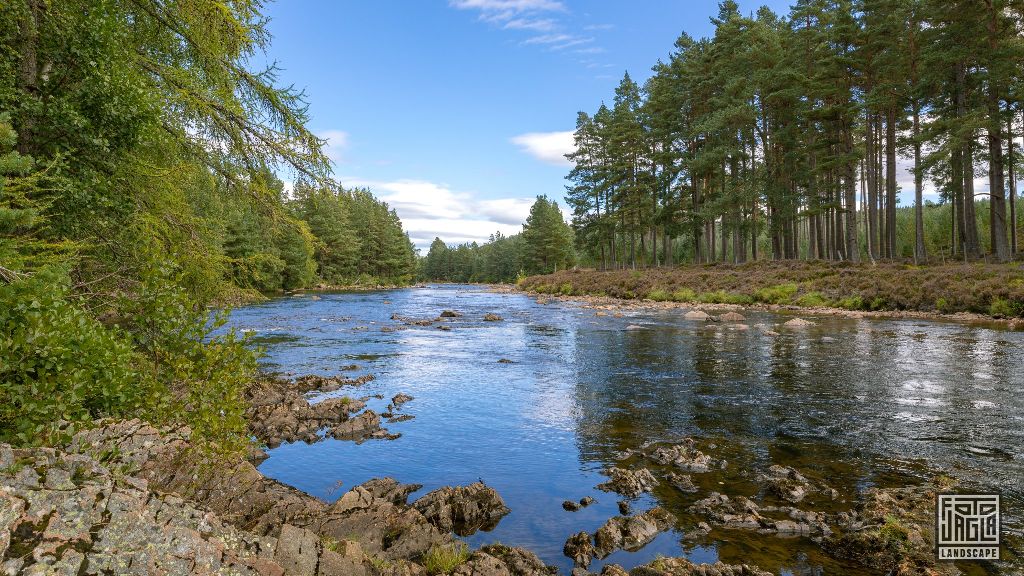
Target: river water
<point x="856" y="402"/>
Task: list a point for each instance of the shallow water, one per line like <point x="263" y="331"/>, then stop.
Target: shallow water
<point x="858" y="403"/>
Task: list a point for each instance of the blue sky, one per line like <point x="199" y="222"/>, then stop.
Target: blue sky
<point x="457" y="112"/>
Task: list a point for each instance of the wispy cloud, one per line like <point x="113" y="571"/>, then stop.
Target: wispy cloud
<point x="542" y="17"/>
<point x="537" y="25"/>
<point x="548" y="147"/>
<point x="432" y="209"/>
<point x="506" y="10"/>
<point x="336" y="145"/>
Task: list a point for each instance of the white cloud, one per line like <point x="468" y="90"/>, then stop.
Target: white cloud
<point x="538" y="25"/>
<point x="550" y="147"/>
<point x="594" y="27"/>
<point x="507" y="9"/>
<point x="337" y="144"/>
<point x="430" y="209"/>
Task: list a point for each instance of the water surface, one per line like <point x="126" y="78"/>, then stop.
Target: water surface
<point x="858" y="403"/>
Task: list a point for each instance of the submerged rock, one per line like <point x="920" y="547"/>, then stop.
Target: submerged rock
<point x="628" y="482"/>
<point x="451" y="314"/>
<point x="491" y="317"/>
<point x="683" y="567"/>
<point x="797" y="323"/>
<point x="732" y="317"/>
<point x="463" y="509"/>
<point x="698" y="315"/>
<point x="682" y="482"/>
<point x="570" y="506"/>
<point x="684" y="456"/>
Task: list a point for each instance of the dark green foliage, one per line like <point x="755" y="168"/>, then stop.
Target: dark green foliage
<point x="779" y="137"/>
<point x="545" y="245"/>
<point x="59" y="364"/>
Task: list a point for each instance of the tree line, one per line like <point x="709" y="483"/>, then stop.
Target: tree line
<point x="139" y="158"/>
<point x="780" y="137"/>
<point x="544" y="246"/>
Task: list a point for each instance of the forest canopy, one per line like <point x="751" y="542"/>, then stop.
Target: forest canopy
<point x="781" y="137"/>
<point x="141" y="165"/>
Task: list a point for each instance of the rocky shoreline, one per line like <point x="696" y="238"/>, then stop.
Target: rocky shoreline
<point x="606" y="303"/>
<point x="125" y="497"/>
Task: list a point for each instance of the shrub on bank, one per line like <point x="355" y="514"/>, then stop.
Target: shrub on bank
<point x="992" y="289"/>
<point x="60" y="368"/>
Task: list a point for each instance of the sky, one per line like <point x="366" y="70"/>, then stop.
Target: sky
<point x="458" y="112"/>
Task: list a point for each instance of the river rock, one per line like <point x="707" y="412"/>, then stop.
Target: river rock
<point x="570" y="506"/>
<point x="362" y="426"/>
<point x="586" y="501"/>
<point x="491" y="317"/>
<point x="463" y="509"/>
<point x="732" y="317"/>
<point x="451" y="314"/>
<point x="684" y="456"/>
<point x="580" y="547"/>
<point x="401" y="398"/>
<point x="390" y="490"/>
<point x="519" y="561"/>
<point x="682" y="482"/>
<point x="631" y="533"/>
<point x="629" y="483"/>
<point x="797" y="323"/>
<point x="683" y="567"/>
<point x="787" y="483"/>
<point x="698" y="315"/>
<point x="624" y="508"/>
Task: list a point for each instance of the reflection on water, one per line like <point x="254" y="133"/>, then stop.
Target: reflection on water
<point x="859" y="402"/>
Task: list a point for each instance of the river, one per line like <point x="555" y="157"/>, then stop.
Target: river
<point x="858" y="402"/>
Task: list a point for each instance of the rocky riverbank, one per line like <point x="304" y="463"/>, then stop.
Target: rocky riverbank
<point x="957" y="292"/>
<point x="128" y="498"/>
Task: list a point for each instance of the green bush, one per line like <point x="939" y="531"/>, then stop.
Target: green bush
<point x="164" y="362"/>
<point x="444" y="559"/>
<point x="812" y="300"/>
<point x="659" y="295"/>
<point x="57" y="364"/>
<point x="1002" y="308"/>
<point x="781" y="294"/>
<point x="684" y="295"/>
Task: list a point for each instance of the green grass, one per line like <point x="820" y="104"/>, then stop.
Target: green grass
<point x="444" y="559"/>
<point x="781" y="294"/>
<point x="659" y="295"/>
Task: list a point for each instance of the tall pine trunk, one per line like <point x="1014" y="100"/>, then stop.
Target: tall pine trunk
<point x="919" y="252"/>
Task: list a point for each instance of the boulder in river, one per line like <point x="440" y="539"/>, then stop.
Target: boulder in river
<point x="732" y="317"/>
<point x="463" y="509"/>
<point x="684" y="456"/>
<point x="629" y="483"/>
<point x="451" y="314"/>
<point x="580" y="547"/>
<point x="682" y="482"/>
<point x="492" y="317"/>
<point x="798" y="323"/>
<point x="631" y="533"/>
<point x="698" y="315"/>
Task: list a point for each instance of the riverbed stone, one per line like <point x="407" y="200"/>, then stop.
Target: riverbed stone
<point x="492" y="317"/>
<point x="732" y="317"/>
<point x="463" y="509"/>
<point x="629" y="483"/>
<point x="451" y="314"/>
<point x="697" y="315"/>
<point x="797" y="323"/>
<point x="580" y="548"/>
<point x="631" y="533"/>
<point x="685" y="456"/>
